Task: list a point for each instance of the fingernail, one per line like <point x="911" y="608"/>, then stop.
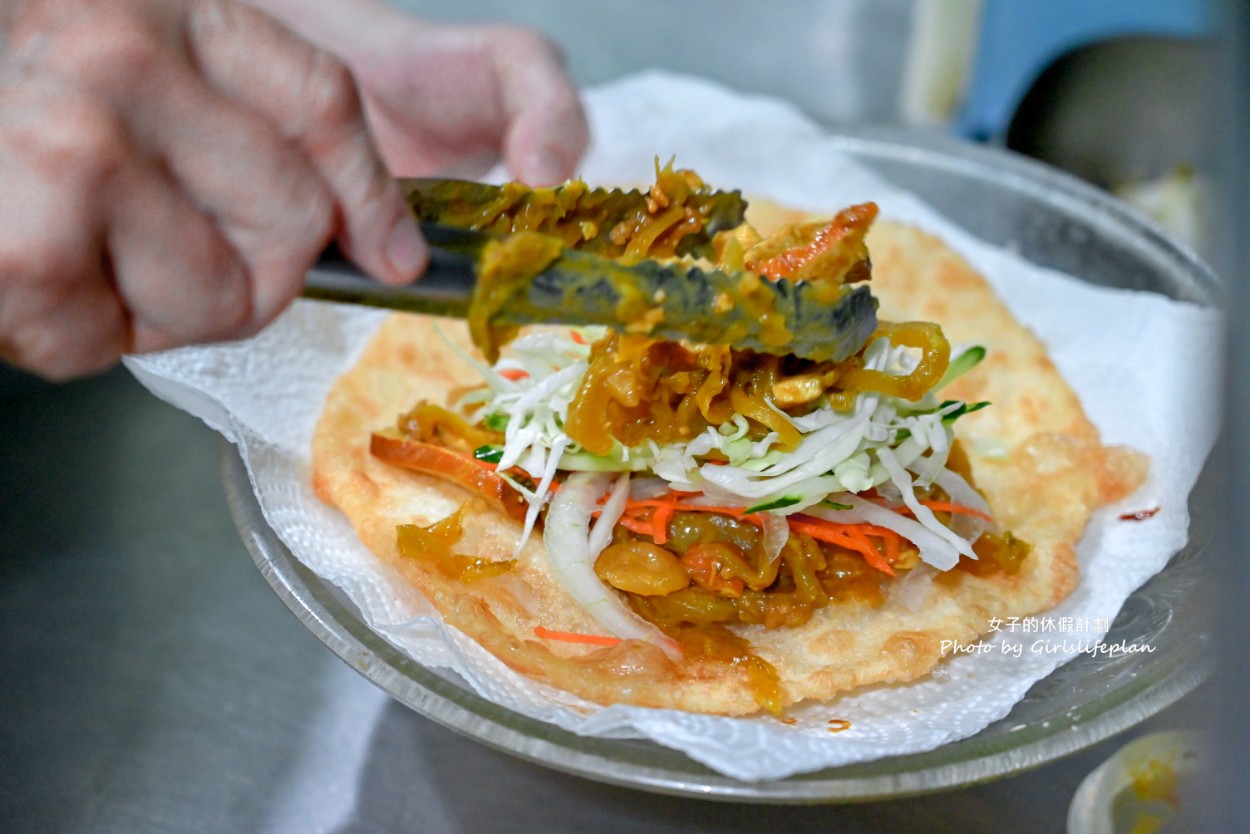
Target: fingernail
<point x="405" y="248"/>
<point x="544" y="167"/>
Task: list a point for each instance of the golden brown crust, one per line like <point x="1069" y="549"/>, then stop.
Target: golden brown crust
<point x="1034" y="454"/>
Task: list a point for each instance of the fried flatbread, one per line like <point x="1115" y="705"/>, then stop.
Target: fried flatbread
<point x="1035" y="456"/>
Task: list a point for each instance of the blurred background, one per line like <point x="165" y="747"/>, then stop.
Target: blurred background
<point x="150" y="681"/>
<point x="1119" y="92"/>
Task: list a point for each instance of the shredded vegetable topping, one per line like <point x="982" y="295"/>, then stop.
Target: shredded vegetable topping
<point x="683" y="489"/>
<point x="684" y="486"/>
<point x="771" y="460"/>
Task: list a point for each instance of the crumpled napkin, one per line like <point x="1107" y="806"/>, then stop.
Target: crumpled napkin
<point x="1143" y="365"/>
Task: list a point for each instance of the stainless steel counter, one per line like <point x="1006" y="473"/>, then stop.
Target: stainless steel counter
<point x="150" y="681"/>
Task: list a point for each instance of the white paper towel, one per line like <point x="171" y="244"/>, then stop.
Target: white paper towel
<point x="1144" y="366"/>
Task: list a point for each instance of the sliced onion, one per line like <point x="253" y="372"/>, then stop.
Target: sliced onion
<point x="913" y="588"/>
<point x="642" y="488"/>
<point x="567" y="536"/>
<point x="961" y="492"/>
<point x="890" y="493"/>
<point x="776" y="532"/>
<point x="610" y="513"/>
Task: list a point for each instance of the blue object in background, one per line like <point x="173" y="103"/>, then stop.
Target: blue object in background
<point x="1019" y="39"/>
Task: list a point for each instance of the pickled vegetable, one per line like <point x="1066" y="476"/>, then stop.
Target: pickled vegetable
<point x="678" y="215"/>
<point x="828" y="250"/>
<point x="433" y="544"/>
<point x="431" y="423"/>
<point x="935" y="357"/>
<point x="638" y="389"/>
<point x="460" y="469"/>
<point x="641" y="567"/>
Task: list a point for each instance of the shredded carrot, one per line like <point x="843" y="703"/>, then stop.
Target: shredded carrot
<point x="574" y="637"/>
<point x="651" y="517"/>
<point x="634" y="525"/>
<point x="514" y="373"/>
<point x="843" y="535"/>
<point x="633" y="520"/>
<point x="660" y="517"/>
<point x="679" y="505"/>
<point x="872" y="555"/>
<point x="577" y="337"/>
<point x="892" y="545"/>
<point x="951" y="507"/>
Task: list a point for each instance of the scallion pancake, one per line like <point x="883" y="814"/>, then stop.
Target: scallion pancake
<point x="1035" y="456"/>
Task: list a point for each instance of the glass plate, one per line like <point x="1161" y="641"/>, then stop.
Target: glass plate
<point x="1049" y="218"/>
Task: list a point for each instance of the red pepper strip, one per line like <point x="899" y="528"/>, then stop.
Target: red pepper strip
<point x="574" y="637"/>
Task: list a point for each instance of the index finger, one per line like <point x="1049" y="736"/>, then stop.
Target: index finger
<point x="548" y="132"/>
<point x="311" y="99"/>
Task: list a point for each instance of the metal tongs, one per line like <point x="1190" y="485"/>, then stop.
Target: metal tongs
<point x="583" y="287"/>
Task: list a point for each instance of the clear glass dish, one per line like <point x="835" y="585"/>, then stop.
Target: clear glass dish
<point x="1144" y="786"/>
<point x="1047" y="217"/>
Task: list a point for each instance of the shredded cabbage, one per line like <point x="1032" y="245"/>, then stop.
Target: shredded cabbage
<point x="883" y="442"/>
<point x="573" y="545"/>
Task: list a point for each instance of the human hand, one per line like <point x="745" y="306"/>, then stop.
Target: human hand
<point x="424" y="94"/>
<point x="449" y="99"/>
<point x="171" y="168"/>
